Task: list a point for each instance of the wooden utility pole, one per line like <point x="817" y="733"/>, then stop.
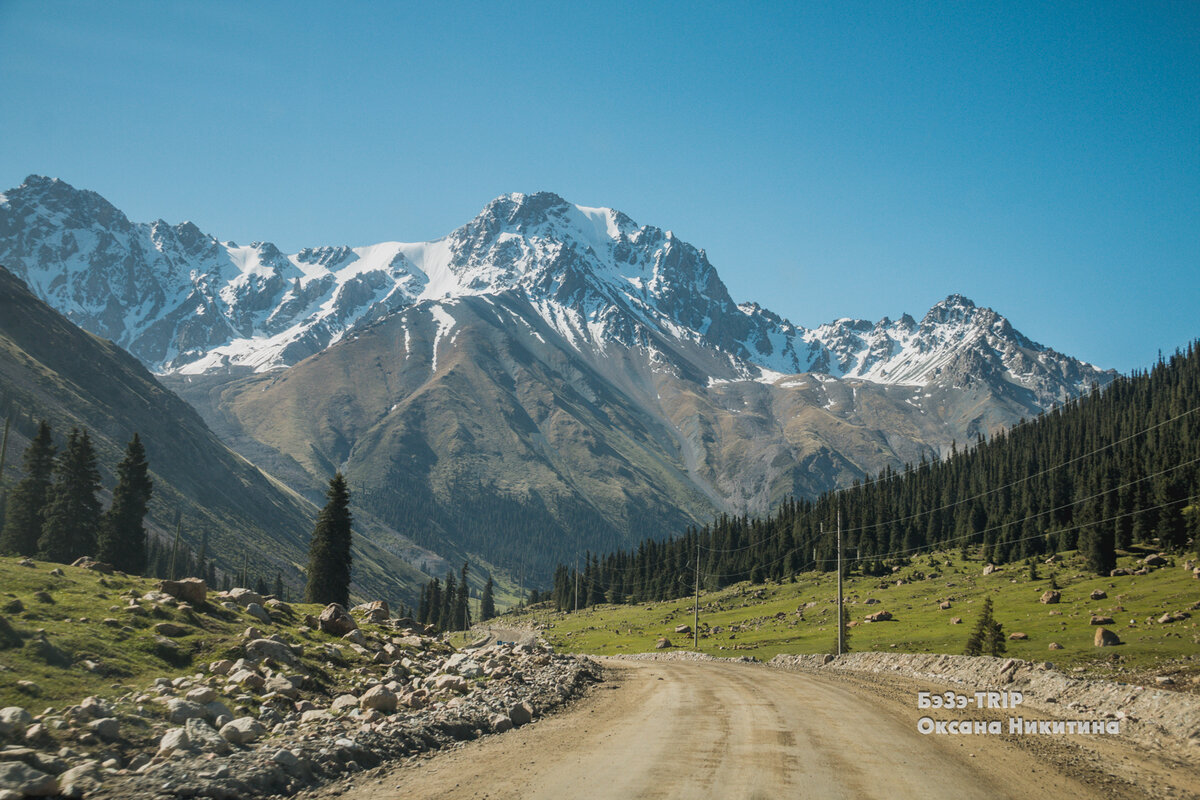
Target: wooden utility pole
<point x="576" y="585"/>
<point x="696" y="607"/>
<point x="840" y="618"/>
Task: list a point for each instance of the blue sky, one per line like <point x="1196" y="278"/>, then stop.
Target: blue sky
<point x="834" y="159"/>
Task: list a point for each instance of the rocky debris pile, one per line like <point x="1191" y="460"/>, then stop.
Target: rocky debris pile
<point x="1148" y="715"/>
<point x="290" y="709"/>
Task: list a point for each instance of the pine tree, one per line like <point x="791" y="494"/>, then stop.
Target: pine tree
<point x="1098" y="545"/>
<point x="27" y="504"/>
<point x="122" y="541"/>
<point x="73" y="510"/>
<point x="462" y="609"/>
<point x="329" y="552"/>
<point x="988" y="636"/>
<point x="487" y="603"/>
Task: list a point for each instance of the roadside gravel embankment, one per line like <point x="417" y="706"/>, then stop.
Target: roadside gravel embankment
<point x="1154" y="717"/>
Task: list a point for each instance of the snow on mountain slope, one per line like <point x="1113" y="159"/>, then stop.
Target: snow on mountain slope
<point x="184" y="302"/>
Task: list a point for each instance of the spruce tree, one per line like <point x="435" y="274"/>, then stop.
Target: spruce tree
<point x="73" y="510"/>
<point x="27" y="504"/>
<point x="122" y="541"/>
<point x="988" y="636"/>
<point x="329" y="552"/>
<point x="1099" y="547"/>
<point x="462" y="609"/>
<point x="487" y="603"/>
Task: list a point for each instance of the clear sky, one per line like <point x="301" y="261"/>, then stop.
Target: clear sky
<point x="835" y="159"/>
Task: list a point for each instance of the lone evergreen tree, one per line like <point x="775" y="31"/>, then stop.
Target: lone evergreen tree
<point x="73" y="510"/>
<point x="122" y="541"/>
<point x="329" y="553"/>
<point x="487" y="603"/>
<point x="988" y="636"/>
<point x="1099" y="548"/>
<point x="27" y="503"/>
<point x="462" y="609"/>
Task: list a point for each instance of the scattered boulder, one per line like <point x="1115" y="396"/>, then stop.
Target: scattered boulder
<point x="989" y="569"/>
<point x="1099" y="620"/>
<point x="107" y="728"/>
<point x="180" y="711"/>
<point x="19" y="777"/>
<point x="87" y="562"/>
<point x="1055" y="646"/>
<point x="1018" y="636"/>
<point x="258" y="649"/>
<point x="343" y="702"/>
<point x="663" y="644"/>
<point x="500" y="723"/>
<point x="356" y="637"/>
<point x="258" y="612"/>
<point x="879" y="616"/>
<point x="1118" y="571"/>
<point x="1051" y="596"/>
<point x="80" y="781"/>
<point x="1154" y="561"/>
<point x="203" y="736"/>
<point x="375" y="611"/>
<point x="201" y="694"/>
<point x="171" y="629"/>
<point x="14" y="720"/>
<point x="243" y="730"/>
<point x="1106" y="638"/>
<point x="189" y="590"/>
<point x="379" y="698"/>
<point x="956" y="620"/>
<point x="335" y="621"/>
<point x="520" y="714"/>
<point x="683" y="628"/>
<point x="1098" y="594"/>
<point x="452" y="683"/>
<point x="944" y="605"/>
<point x="244" y="597"/>
<point x="173" y="740"/>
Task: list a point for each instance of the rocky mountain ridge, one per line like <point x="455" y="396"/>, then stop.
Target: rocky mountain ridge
<point x="184" y="302"/>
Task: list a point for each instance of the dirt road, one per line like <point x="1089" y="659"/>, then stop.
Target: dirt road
<point x="735" y="730"/>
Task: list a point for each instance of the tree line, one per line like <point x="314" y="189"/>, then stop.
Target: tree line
<point x="445" y="605"/>
<point x="54" y="512"/>
<point x="1117" y="467"/>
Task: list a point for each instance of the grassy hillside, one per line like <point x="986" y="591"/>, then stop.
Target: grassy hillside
<point x="50" y="369"/>
<point x="764" y="620"/>
<point x="73" y="632"/>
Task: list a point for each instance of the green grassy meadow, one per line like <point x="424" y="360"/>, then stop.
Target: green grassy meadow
<point x="765" y="620"/>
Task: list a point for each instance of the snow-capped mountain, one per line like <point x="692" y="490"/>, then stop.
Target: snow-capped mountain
<point x="184" y="302"/>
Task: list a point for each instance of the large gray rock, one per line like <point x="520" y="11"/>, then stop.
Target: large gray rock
<point x="1105" y="638"/>
<point x="520" y="714"/>
<point x="378" y="698"/>
<point x="335" y="621"/>
<point x="258" y="649"/>
<point x="243" y="730"/>
<point x="281" y="686"/>
<point x="258" y="612"/>
<point x="180" y="711"/>
<point x="80" y="781"/>
<point x="190" y="590"/>
<point x="107" y="728"/>
<point x="205" y="737"/>
<point x="25" y="780"/>
<point x="14" y="720"/>
<point x="173" y="740"/>
<point x="244" y="597"/>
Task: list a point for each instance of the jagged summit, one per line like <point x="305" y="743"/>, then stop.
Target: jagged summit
<point x="182" y="300"/>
